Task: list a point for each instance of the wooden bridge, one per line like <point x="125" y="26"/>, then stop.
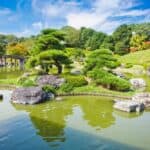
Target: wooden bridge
<point x="11" y="61"/>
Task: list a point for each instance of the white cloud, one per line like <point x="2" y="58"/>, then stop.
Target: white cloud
<point x="5" y="11"/>
<point x="37" y="25"/>
<point x="134" y="13"/>
<point x="101" y="15"/>
<point x="104" y="15"/>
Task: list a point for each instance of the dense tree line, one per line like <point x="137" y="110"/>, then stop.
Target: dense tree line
<point x="125" y="39"/>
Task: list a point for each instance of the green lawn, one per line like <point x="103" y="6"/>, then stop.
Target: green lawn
<point x="136" y="58"/>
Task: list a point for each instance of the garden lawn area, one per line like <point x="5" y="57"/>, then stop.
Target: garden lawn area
<point x="9" y="81"/>
<point x="98" y="89"/>
<point x="136" y="58"/>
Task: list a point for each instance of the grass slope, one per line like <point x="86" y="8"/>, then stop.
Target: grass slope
<point x="137" y="58"/>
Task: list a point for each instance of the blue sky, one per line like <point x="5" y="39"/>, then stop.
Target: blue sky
<point x="28" y="17"/>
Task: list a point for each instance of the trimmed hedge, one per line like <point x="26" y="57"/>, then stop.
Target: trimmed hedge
<point x="76" y="81"/>
<point x="48" y="88"/>
<point x="26" y="82"/>
<point x="73" y="81"/>
<point x="109" y="80"/>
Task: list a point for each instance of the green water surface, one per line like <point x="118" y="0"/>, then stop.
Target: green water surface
<point x="75" y="123"/>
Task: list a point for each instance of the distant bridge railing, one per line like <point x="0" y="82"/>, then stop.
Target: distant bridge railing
<point x="11" y="61"/>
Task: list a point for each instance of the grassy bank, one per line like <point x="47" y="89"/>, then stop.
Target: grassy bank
<point x="97" y="89"/>
<point x="136" y="58"/>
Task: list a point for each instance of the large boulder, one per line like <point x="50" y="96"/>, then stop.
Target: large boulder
<point x="52" y="80"/>
<point x="75" y="71"/>
<point x="30" y="95"/>
<point x="137" y="83"/>
<point x="142" y="98"/>
<point x="148" y="71"/>
<point x="129" y="106"/>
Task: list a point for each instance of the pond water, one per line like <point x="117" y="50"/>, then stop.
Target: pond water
<point x="6" y="73"/>
<point x="75" y="123"/>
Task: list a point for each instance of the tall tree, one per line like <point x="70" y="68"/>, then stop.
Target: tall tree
<point x="122" y="36"/>
<point x="85" y="34"/>
<point x="71" y="36"/>
<point x="47" y="59"/>
<point x="95" y="41"/>
<point x="108" y="43"/>
<point x="16" y="49"/>
<point x="138" y="42"/>
<point x="48" y="39"/>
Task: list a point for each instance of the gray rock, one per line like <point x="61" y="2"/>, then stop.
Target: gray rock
<point x="30" y="95"/>
<point x="142" y="98"/>
<point x="137" y="83"/>
<point x="52" y="80"/>
<point x="129" y="106"/>
<point x="1" y="96"/>
<point x="58" y="98"/>
<point x="148" y="71"/>
<point x="76" y="71"/>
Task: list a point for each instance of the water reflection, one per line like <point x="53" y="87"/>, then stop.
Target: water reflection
<point x="50" y="118"/>
<point x="128" y="115"/>
<point x="72" y="124"/>
<point x="6" y="73"/>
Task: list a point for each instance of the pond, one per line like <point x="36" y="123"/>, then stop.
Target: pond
<point x="6" y="73"/>
<point x="85" y="123"/>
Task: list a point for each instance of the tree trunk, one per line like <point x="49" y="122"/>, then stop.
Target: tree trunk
<point x="59" y="67"/>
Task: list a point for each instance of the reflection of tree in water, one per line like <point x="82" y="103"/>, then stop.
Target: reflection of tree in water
<point x="49" y="119"/>
<point x="98" y="112"/>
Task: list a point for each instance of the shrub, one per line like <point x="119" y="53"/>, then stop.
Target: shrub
<point x="22" y="80"/>
<point x="109" y="80"/>
<point x="76" y="81"/>
<point x="48" y="88"/>
<point x="73" y="81"/>
<point x="66" y="87"/>
<point x="128" y="65"/>
<point x="28" y="83"/>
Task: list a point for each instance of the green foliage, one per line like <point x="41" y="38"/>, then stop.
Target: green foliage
<point x="71" y="36"/>
<point x="99" y="59"/>
<point x="141" y="29"/>
<point x="128" y="65"/>
<point x="90" y="39"/>
<point x="49" y="58"/>
<point x="108" y="43"/>
<point x="109" y="80"/>
<point x="21" y="80"/>
<point x="95" y="41"/>
<point x="32" y="62"/>
<point x="48" y="88"/>
<point x="66" y="87"/>
<point x="121" y="48"/>
<point x="121" y="38"/>
<point x="48" y="39"/>
<point x="75" y="53"/>
<point x="76" y="81"/>
<point x="138" y="42"/>
<point x="72" y="82"/>
<point x="85" y="34"/>
<point x="26" y="82"/>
